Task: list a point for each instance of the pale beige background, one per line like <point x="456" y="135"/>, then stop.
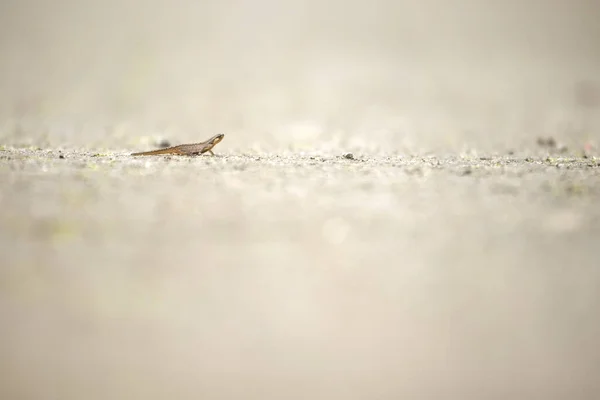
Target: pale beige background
<point x="407" y="74"/>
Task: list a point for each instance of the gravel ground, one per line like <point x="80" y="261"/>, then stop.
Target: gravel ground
<point x="299" y="275"/>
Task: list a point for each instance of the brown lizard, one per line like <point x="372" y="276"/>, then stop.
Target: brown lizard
<point x="192" y="149"/>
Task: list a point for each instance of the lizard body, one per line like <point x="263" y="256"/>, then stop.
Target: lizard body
<point x="192" y="149"/>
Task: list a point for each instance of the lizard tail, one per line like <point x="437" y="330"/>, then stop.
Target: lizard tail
<point x="169" y="150"/>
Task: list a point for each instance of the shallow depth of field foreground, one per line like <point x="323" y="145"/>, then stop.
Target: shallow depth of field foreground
<point x="406" y="202"/>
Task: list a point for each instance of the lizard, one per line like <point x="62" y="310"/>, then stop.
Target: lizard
<point x="192" y="149"/>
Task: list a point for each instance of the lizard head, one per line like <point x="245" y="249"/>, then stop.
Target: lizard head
<point x="216" y="139"/>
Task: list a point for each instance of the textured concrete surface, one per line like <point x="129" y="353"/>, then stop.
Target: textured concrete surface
<point x="287" y="275"/>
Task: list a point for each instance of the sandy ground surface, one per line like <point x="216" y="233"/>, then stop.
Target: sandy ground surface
<point x="299" y="275"/>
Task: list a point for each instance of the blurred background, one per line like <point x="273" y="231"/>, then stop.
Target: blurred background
<point x="399" y="75"/>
